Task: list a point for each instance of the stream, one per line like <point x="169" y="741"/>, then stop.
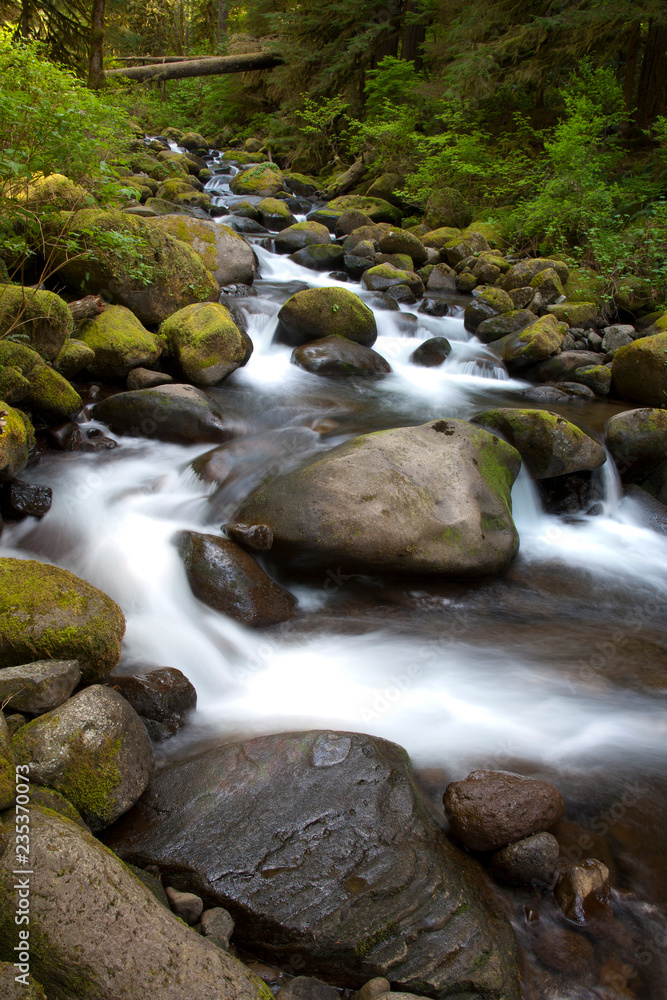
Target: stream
<point x="556" y="670"/>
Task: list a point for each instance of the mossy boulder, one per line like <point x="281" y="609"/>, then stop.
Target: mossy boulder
<point x="93" y="749"/>
<point x="548" y="444"/>
<point x="574" y="313"/>
<point x="493" y="233"/>
<point x="521" y="274"/>
<point x="425" y="500"/>
<point x="440" y="278"/>
<point x="242" y="157"/>
<point x="274" y="214"/>
<point x="137" y="265"/>
<point x="160" y="206"/>
<point x="300" y="235"/>
<point x="179" y="413"/>
<point x="320" y="312"/>
<point x="596" y="377"/>
<point x="48" y="613"/>
<point x="17" y="438"/>
<point x="43" y="320"/>
<point x="385" y="276"/>
<point x="7" y="767"/>
<point x="48" y="798"/>
<point x="385" y="187"/>
<point x="55" y="191"/>
<point x="339" y="357"/>
<point x="73" y="357"/>
<point x="487" y="302"/>
<point x="401" y="242"/>
<point x="317" y="257"/>
<point x="532" y="344"/>
<point x="228" y="257"/>
<point x="264" y="180"/>
<point x="549" y="285"/>
<point x="639" y="371"/>
<point x="185" y="164"/>
<point x="13" y="386"/>
<point x="437" y="238"/>
<point x="447" y="207"/>
<point x="171" y="188"/>
<point x="193" y="140"/>
<point x="206" y="342"/>
<point x="49" y="393"/>
<point x="460" y="247"/>
<point x="505" y="324"/>
<point x="637" y="440"/>
<point x="120" y="342"/>
<point x="301" y="185"/>
<point x="193" y="199"/>
<point x="364" y="234"/>
<point x="584" y="285"/>
<point x="376" y="209"/>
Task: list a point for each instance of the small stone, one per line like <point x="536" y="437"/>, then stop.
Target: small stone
<point x="185" y="905"/>
<point x="14" y="723"/>
<point x="144" y="378"/>
<point x="594" y="341"/>
<point x="431" y="353"/>
<point x="218" y="926"/>
<point x="563" y="950"/>
<point x="40" y="686"/>
<point x="583" y="891"/>
<point x="307" y="988"/>
<point x="531" y="861"/>
<point x="21" y="499"/>
<point x="258" y="537"/>
<point x="434" y="307"/>
<point x="162" y="698"/>
<point x="373" y="988"/>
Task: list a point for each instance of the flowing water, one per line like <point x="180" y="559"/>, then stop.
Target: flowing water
<point x="556" y="670"/>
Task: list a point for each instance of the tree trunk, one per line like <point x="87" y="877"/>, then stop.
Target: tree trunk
<point x="342" y="184"/>
<point x="25" y="20"/>
<point x="222" y="20"/>
<point x="201" y="67"/>
<point x="631" y="67"/>
<point x="96" y="71"/>
<point x="390" y="32"/>
<point x="652" y="91"/>
<point x="414" y="36"/>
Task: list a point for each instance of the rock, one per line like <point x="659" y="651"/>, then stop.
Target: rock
<point x="319" y="312"/>
<point x="177" y="413"/>
<point x="583" y="892"/>
<point x="13" y="386"/>
<point x="596" y="377"/>
<point x="382" y="277"/>
<point x="119" y="342"/>
<point x="532" y="861"/>
<point x="55" y="191"/>
<point x="376" y="209"/>
<point x="442" y="279"/>
<point x="548" y="284"/>
<point x="264" y="180"/>
<point x="348" y="222"/>
<point x="193" y="140"/>
<point x="47" y="612"/>
<point x="460" y="247"/>
<point x="337" y="356"/>
<point x="300" y="235"/>
<point x="651" y="511"/>
<point x="490" y="809"/>
<point x="520" y="275"/>
<point x="562" y="367"/>
<point x="521" y="297"/>
<point x="385" y="891"/>
<point x="431" y="353"/>
<point x="302" y="185"/>
<point x="617" y="336"/>
<point x="7" y="770"/>
<point x="153" y="278"/>
<point x="44" y="321"/>
<point x="10" y="989"/>
<point x="144" y="378"/>
<point x="575" y="389"/>
<point x="206" y="342"/>
<point x="217" y="926"/>
<point x="548" y="444"/>
<point x="48" y="798"/>
<point x="191" y="189"/>
<point x="373" y="988"/>
<point x="17" y="438"/>
<point x="433" y="306"/>
<point x="307" y="988"/>
<point x="637" y="440"/>
<point x="465" y="282"/>
<point x="486" y="303"/>
<point x="40" y="686"/>
<point x="319" y="257"/>
<point x="94" y="749"/>
<point x="403" y="242"/>
<point x="564" y="951"/>
<point x="639" y="372"/>
<point x="413" y="500"/>
<point x="534" y="343"/>
<point x="574" y="313"/>
<point x="228" y="579"/>
<point x="355" y="266"/>
<point x="275" y="214"/>
<point x="257" y="537"/>
<point x="185" y="905"/>
<point x="506" y="324"/>
<point x="73" y="357"/>
<point x="438" y="238"/>
<point x="103" y="934"/>
<point x="228" y="256"/>
<point x="49" y="393"/>
<point x="369" y="236"/>
<point x="163" y="699"/>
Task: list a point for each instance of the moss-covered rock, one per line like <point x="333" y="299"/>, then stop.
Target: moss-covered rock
<point x="55" y="191"/>
<point x="169" y="189"/>
<point x="533" y="344"/>
<point x="193" y="140"/>
<point x="16" y="440"/>
<point x="639" y="371"/>
<point x="438" y="238"/>
<point x="399" y="241"/>
<point x="73" y="357"/>
<point x="160" y="206"/>
<point x="49" y="392"/>
<point x="460" y="247"/>
<point x="504" y="324"/>
<point x="548" y="444"/>
<point x="179" y="413"/>
<point x="48" y="613"/>
<point x="224" y="253"/>
<point x="119" y="342"/>
<point x="376" y="209"/>
<point x="384" y="276"/>
<point x="186" y="165"/>
<point x="300" y="235"/>
<point x="263" y="180"/>
<point x="320" y="312"/>
<point x="42" y="319"/>
<point x="275" y="214"/>
<point x="318" y="257"/>
<point x="137" y="265"/>
<point x="206" y="342"/>
<point x="193" y="199"/>
<point x="13" y="386"/>
<point x="493" y="233"/>
<point x="548" y="284"/>
<point x="49" y="798"/>
<point x="584" y="285"/>
<point x="574" y="313"/>
<point x="301" y="185"/>
<point x="637" y="440"/>
<point x="385" y="187"/>
<point x="596" y="377"/>
<point x="7" y="767"/>
<point x="365" y="234"/>
<point x="487" y="302"/>
<point x="447" y="207"/>
<point x="242" y="157"/>
<point x="521" y="274"/>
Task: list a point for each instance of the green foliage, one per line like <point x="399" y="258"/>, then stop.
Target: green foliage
<point x="394" y="83"/>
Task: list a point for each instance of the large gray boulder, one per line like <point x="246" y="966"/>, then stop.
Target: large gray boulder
<point x="433" y="499"/>
<point x="177" y="413"/>
<point x="102" y="934"/>
<point x="318" y="844"/>
<point x="228" y="256"/>
<point x="39" y="686"/>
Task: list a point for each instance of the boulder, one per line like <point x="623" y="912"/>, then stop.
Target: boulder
<point x="349" y="221"/>
<point x="7" y="770"/>
<point x="193" y="140"/>
<point x="442" y="279"/>
<point x="376" y="209"/>
<point x="300" y="235"/>
<point x="48" y="392"/>
<point x="437" y="238"/>
<point x="302" y="185"/>
<point x="119" y="342"/>
<point x="17" y="438"/>
<point x="505" y="324"/>
<point x="47" y="798"/>
<point x="562" y="367"/>
<point x="177" y="413"/>
<point x="355" y="266"/>
<point x="637" y="440"/>
<point x="583" y="891"/>
<point x="534" y="343"/>
<point x="382" y="277"/>
<point x="490" y="809"/>
<point x="486" y="303"/>
<point x="401" y="241"/>
<point x="206" y="343"/>
<point x="163" y="698"/>
<point x="521" y="274"/>
<point x="596" y="377"/>
<point x="433" y="499"/>
<point x="338" y="356"/>
<point x="136" y="264"/>
<point x="460" y="247"/>
<point x="230" y="580"/>
<point x="263" y="180"/>
<point x="13" y="386"/>
<point x="532" y="861"/>
<point x="319" y="312"/>
<point x="548" y="444"/>
<point x="274" y="214"/>
<point x="19" y="499"/>
<point x="639" y="371"/>
<point x="40" y="686"/>
<point x="144" y="378"/>
<point x="103" y="935"/>
<point x="55" y="191"/>
<point x="618" y="335"/>
<point x="574" y="313"/>
<point x="327" y="852"/>
<point x="94" y="750"/>
<point x="431" y="353"/>
<point x="228" y="257"/>
<point x="549" y="285"/>
<point x="446" y="206"/>
<point x="73" y="357"/>
<point x="48" y="613"/>
<point x="319" y="257"/>
<point x="44" y="321"/>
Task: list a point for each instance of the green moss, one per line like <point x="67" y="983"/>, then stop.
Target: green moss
<point x="91" y="777"/>
<point x="450" y="535"/>
<point x="119" y="341"/>
<point x="376" y="209"/>
<point x="45" y="321"/>
<point x="206" y="342"/>
<point x="15" y="442"/>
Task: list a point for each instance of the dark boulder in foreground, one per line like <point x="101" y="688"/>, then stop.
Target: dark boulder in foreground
<point x="318" y="845"/>
<point x="339" y="357"/>
<point x="178" y="413"/>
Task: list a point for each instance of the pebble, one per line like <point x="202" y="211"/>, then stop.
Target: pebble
<point x="185" y="905"/>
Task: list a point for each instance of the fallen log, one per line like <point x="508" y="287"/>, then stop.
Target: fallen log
<point x="209" y="66"/>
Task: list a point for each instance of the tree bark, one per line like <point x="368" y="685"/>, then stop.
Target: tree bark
<point x="25" y="20"/>
<point x="222" y="20"/>
<point x="652" y="90"/>
<point x="96" y="70"/>
<point x="342" y="184"/>
<point x="414" y="36"/>
<point x="201" y="67"/>
<point x="631" y="66"/>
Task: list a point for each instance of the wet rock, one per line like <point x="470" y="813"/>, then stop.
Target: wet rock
<point x="120" y="343"/>
<point x="94" y="749"/>
<point x="373" y="988"/>
<point x="48" y="392"/>
<point x="228" y="579"/>
<point x="431" y="353"/>
<point x="102" y="934"/>
<point x="571" y="494"/>
<point x="402" y="293"/>
<point x="162" y="698"/>
<point x="637" y="440"/>
<point x="19" y="499"/>
<point x="257" y="537"/>
<point x="179" y="413"/>
<point x="544" y="393"/>
<point x="648" y="509"/>
<point x="61" y="617"/>
<point x="382" y="277"/>
<point x="506" y="323"/>
<point x="329" y="854"/>
<point x="48" y="798"/>
<point x="10" y="989"/>
<point x="413" y="500"/>
<point x="307" y="988"/>
<point x="532" y="861"/>
<point x="185" y="905"/>
<point x="490" y="809"/>
<point x="321" y="312"/>
<point x="565" y="951"/>
<point x="225" y="254"/>
<point x="7" y="768"/>
<point x="40" y="686"/>
<point x="520" y="275"/>
<point x="144" y="378"/>
<point x="583" y="891"/>
<point x="206" y="342"/>
<point x="534" y="343"/>
<point x="318" y="257"/>
<point x="596" y="377"/>
<point x="338" y="357"/>
<point x="356" y="266"/>
<point x="434" y="307"/>
<point x="575" y="389"/>
<point x="274" y="214"/>
<point x="639" y="372"/>
<point x="217" y="926"/>
<point x="548" y="444"/>
<point x="562" y="367"/>
<point x="65" y="437"/>
<point x="442" y="279"/>
<point x="486" y="303"/>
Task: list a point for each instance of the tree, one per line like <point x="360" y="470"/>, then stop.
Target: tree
<point x="96" y="71"/>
